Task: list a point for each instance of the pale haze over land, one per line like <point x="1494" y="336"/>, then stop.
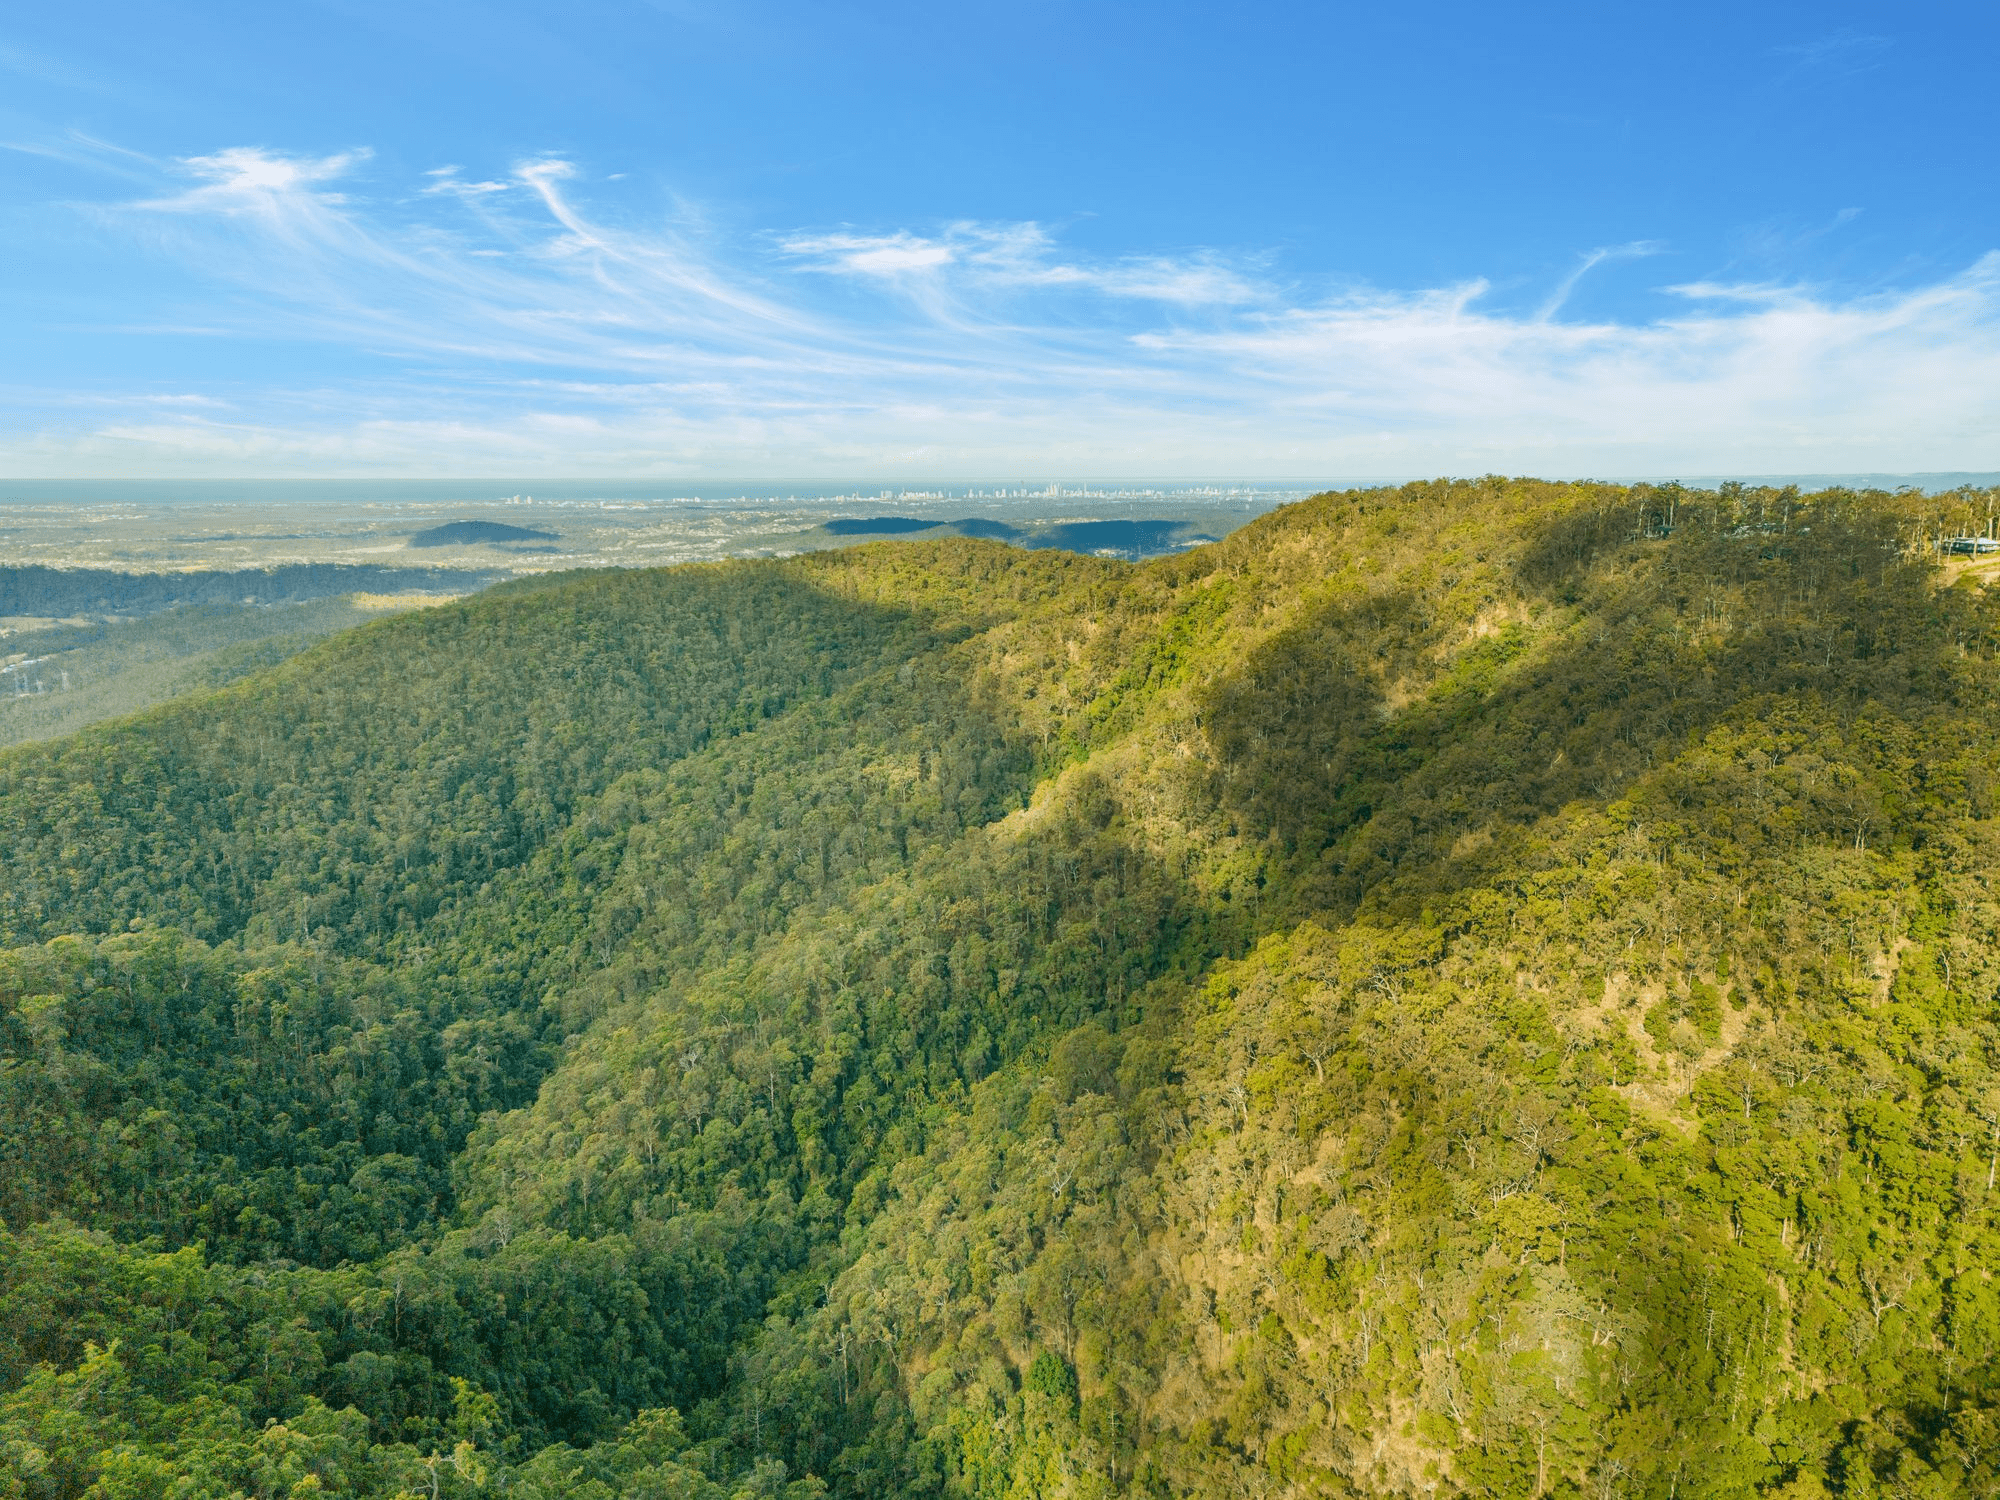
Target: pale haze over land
<point x="684" y="240"/>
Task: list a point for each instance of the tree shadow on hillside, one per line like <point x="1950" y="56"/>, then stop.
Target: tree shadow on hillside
<point x="1391" y="751"/>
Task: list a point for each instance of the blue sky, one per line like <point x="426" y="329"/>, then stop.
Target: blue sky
<point x="972" y="240"/>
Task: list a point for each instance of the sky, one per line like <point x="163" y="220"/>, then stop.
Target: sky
<point x="1022" y="239"/>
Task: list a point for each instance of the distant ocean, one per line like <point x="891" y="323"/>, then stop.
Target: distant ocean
<point x="446" y="492"/>
<point x="1252" y="494"/>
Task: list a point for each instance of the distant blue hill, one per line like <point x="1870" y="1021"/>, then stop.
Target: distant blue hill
<point x="1130" y="539"/>
<point x="879" y="525"/>
<point x="473" y="533"/>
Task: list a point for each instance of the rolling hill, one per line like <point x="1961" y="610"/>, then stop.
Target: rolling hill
<point x="1484" y="988"/>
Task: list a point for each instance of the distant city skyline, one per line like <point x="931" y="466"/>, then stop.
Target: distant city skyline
<point x="1281" y="243"/>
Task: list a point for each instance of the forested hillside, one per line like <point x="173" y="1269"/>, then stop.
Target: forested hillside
<point x="1484" y="988"/>
<point x="82" y="645"/>
<point x="59" y="679"/>
<point x="35" y="590"/>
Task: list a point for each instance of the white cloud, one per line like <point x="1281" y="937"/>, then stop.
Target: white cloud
<point x="1019" y="255"/>
<point x="1897" y="381"/>
<point x="1635" y="250"/>
<point x="448" y="181"/>
<point x="514" y="327"/>
<point x="1190" y="283"/>
<point x="247" y="176"/>
<point x="876" y="255"/>
<point x="1729" y="291"/>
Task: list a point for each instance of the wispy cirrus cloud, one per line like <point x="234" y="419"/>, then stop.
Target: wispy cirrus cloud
<point x="244" y="177"/>
<point x="1757" y="377"/>
<point x="1839" y="54"/>
<point x="1590" y="261"/>
<point x="447" y="180"/>
<point x="1020" y="256"/>
<point x="886" y="255"/>
<point x="514" y="325"/>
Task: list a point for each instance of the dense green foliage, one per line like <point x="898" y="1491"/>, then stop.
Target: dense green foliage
<point x="79" y="673"/>
<point x="36" y="590"/>
<point x="1485" y="988"/>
